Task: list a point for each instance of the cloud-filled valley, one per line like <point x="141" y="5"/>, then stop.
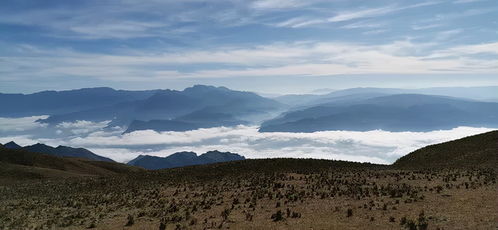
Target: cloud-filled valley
<point x="375" y="146"/>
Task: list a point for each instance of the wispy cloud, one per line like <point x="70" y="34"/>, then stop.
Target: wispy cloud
<point x="279" y="4"/>
<point x="279" y="59"/>
<point x="467" y="1"/>
<point x="364" y="24"/>
<point x="348" y="15"/>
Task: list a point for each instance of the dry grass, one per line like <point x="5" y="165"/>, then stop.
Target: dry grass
<point x="375" y="198"/>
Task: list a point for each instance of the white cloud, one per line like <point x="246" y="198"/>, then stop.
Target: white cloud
<point x="81" y="127"/>
<point x="372" y="146"/>
<point x="20" y="124"/>
<point x="375" y="146"/>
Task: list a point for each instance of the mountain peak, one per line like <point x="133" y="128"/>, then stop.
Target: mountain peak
<point x="204" y="88"/>
<point x="65" y="151"/>
<point x="12" y="145"/>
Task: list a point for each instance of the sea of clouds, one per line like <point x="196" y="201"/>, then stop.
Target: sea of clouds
<point x="374" y="146"/>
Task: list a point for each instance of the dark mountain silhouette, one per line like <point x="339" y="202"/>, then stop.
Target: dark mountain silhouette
<point x="404" y="112"/>
<point x="475" y="151"/>
<point x="20" y="164"/>
<point x="59" y="102"/>
<point x="181" y="159"/>
<point x="12" y="145"/>
<point x="64" y="151"/>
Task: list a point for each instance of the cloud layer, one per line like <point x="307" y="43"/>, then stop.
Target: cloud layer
<point x="373" y="146"/>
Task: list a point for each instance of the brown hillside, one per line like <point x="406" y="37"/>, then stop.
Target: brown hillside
<point x="18" y="165"/>
<point x="475" y="151"/>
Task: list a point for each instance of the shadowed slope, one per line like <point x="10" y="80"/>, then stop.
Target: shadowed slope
<point x="19" y="164"/>
<point x="475" y="151"/>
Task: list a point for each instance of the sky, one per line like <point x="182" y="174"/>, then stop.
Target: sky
<point x="374" y="146"/>
<point x="270" y="46"/>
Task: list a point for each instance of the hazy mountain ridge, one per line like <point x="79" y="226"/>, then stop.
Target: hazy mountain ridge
<point x="68" y="101"/>
<point x="484" y="93"/>
<point x="401" y="112"/>
<point x="195" y="107"/>
<point x="201" y="106"/>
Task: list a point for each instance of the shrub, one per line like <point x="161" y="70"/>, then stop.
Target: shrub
<point x="349" y="213"/>
<point x="130" y="221"/>
<point x="277" y="216"/>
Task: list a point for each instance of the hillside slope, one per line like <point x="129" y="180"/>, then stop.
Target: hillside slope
<point x="64" y="151"/>
<point x="19" y="164"/>
<point x="475" y="151"/>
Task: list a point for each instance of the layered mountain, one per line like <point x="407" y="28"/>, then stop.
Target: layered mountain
<point x="181" y="159"/>
<point x="170" y="110"/>
<point x="401" y="112"/>
<point x="475" y="151"/>
<point x="61" y="102"/>
<point x="486" y="93"/>
<point x="60" y="151"/>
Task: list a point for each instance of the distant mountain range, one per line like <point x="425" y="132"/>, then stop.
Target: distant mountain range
<point x="401" y="112"/>
<point x="484" y="93"/>
<point x="60" y="151"/>
<point x="170" y="110"/>
<point x="62" y="102"/>
<point x="204" y="106"/>
<point x="181" y="159"/>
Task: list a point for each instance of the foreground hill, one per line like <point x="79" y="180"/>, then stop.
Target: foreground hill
<point x="403" y="112"/>
<point x="182" y="159"/>
<point x="475" y="151"/>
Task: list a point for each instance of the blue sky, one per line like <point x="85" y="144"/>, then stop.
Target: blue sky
<point x="272" y="46"/>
